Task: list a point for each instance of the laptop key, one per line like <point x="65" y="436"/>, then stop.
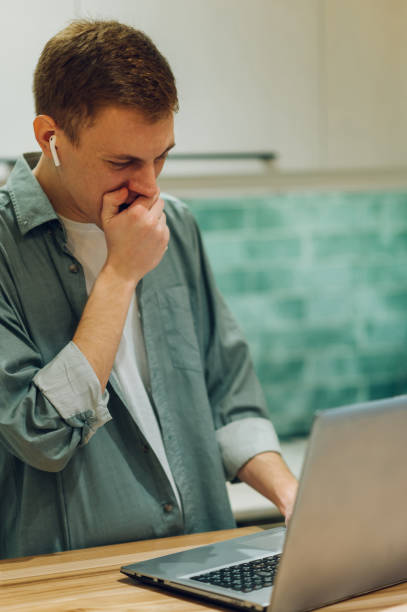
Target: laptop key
<point x="264" y="573"/>
<point x="244" y="577"/>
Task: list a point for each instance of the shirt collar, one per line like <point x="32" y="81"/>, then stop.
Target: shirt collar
<point x="31" y="206"/>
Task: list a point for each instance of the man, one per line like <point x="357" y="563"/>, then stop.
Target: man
<point x="127" y="392"/>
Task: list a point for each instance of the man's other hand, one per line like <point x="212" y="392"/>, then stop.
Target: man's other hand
<point x="270" y="476"/>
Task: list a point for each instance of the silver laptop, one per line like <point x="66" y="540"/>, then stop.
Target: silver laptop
<point x="347" y="535"/>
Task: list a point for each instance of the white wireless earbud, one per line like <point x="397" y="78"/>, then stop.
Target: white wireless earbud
<point x="54" y="150"/>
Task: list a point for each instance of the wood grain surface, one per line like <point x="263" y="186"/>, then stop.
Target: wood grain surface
<point x="89" y="580"/>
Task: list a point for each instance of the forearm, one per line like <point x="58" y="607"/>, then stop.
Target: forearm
<point x="270" y="476"/>
<point x="34" y="431"/>
<point x="136" y="240"/>
<point x="101" y="326"/>
<point x="48" y="412"/>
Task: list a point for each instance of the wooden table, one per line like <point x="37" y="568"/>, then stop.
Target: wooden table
<point x="89" y="580"/>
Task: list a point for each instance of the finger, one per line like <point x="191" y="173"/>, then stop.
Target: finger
<point x="162" y="223"/>
<point x="166" y="237"/>
<point x="148" y="202"/>
<point x="157" y="209"/>
<point x="112" y="201"/>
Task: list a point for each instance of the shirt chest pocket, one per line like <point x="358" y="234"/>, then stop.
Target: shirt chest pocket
<point x="179" y="328"/>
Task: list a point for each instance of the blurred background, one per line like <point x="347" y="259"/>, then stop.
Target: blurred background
<point x="292" y="154"/>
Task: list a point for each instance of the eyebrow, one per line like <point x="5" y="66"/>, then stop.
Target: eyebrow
<point x="138" y="159"/>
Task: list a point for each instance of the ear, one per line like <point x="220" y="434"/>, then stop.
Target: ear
<point x="44" y="128"/>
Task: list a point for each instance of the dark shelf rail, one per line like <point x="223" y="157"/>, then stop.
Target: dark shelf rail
<point x="262" y="156"/>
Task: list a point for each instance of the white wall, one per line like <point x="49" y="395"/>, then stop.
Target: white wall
<point x="25" y="28"/>
<point x="320" y="82"/>
<point x="365" y="83"/>
<point x="246" y="71"/>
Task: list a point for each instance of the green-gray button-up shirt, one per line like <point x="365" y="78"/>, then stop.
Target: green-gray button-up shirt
<point x="75" y="469"/>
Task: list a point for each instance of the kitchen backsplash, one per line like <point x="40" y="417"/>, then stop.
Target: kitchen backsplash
<point x="318" y="283"/>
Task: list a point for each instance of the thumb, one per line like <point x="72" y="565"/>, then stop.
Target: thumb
<point x="111" y="203"/>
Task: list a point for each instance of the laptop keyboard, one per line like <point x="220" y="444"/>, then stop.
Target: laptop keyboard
<point x="245" y="577"/>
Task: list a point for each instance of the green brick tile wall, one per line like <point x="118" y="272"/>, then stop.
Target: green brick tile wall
<point x="318" y="283"/>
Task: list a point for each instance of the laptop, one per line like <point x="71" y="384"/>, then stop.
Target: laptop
<point x="347" y="534"/>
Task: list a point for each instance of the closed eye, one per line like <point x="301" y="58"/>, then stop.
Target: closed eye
<point x="120" y="165"/>
<point x="136" y="162"/>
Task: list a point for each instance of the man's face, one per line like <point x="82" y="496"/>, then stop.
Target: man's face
<point x="120" y="149"/>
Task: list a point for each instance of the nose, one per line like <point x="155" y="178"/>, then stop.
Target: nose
<point x="143" y="181"/>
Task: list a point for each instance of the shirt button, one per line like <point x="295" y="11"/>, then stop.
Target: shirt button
<point x="168" y="508"/>
<point x="74" y="268"/>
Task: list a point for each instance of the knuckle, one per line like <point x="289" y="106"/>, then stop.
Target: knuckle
<point x="159" y="205"/>
<point x="150" y="223"/>
<point x="137" y="212"/>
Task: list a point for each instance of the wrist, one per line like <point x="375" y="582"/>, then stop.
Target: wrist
<point x="118" y="280"/>
<point x="268" y="473"/>
<point x="286" y="497"/>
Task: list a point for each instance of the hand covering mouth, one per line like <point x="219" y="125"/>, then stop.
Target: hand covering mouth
<point x="132" y="197"/>
<point x="129" y="200"/>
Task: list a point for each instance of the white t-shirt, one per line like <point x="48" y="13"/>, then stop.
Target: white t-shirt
<point x="130" y="369"/>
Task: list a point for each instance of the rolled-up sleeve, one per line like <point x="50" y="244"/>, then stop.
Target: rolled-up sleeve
<point x="46" y="411"/>
<point x="241" y="440"/>
<point x="51" y="402"/>
<point x="72" y="387"/>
